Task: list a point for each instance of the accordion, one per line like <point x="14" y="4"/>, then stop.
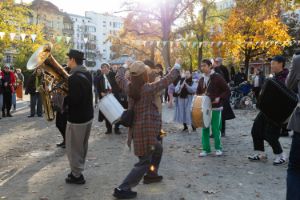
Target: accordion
<point x="276" y="101"/>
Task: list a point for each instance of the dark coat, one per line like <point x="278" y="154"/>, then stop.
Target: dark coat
<point x="79" y="100"/>
<point x="147" y="120"/>
<point x="30" y="87"/>
<point x="217" y="87"/>
<point x="293" y="83"/>
<point x="223" y="71"/>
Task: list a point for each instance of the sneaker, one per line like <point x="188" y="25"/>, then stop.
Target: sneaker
<point x="71" y="179"/>
<point x="108" y="132"/>
<point x="9" y="115"/>
<point x="203" y="154"/>
<point x="258" y="157"/>
<point x="279" y="160"/>
<point x="219" y="153"/>
<point x="29" y="116"/>
<point x="124" y="194"/>
<point x="62" y="145"/>
<point x="152" y="179"/>
<point x="117" y="131"/>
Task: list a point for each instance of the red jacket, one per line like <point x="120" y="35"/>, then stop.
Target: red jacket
<point x="12" y="80"/>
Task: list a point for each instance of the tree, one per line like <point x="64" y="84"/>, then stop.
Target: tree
<point x="14" y="18"/>
<point x="254" y="29"/>
<point x="155" y="21"/>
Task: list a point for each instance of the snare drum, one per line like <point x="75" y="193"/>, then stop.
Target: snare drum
<point x="111" y="108"/>
<point x="201" y="111"/>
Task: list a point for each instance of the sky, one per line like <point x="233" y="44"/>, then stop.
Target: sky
<point x="80" y="6"/>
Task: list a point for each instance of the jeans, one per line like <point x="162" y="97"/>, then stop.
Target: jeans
<point x="1" y="100"/>
<point x="36" y="101"/>
<point x="293" y="172"/>
<point x="142" y="167"/>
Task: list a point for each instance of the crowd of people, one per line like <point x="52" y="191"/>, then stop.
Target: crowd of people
<point x="142" y="87"/>
<point x="11" y="89"/>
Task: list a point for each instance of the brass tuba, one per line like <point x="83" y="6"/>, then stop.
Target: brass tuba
<point x="55" y="77"/>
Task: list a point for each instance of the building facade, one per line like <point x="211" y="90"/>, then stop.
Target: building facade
<point x="106" y="25"/>
<point x="85" y="39"/>
<point x="225" y="4"/>
<point x="55" y="22"/>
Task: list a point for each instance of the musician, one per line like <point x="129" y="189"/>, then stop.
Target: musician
<point x="185" y="89"/>
<point x="146" y="126"/>
<point x="35" y="81"/>
<point x="263" y="129"/>
<point x="215" y="87"/>
<point x="61" y="118"/>
<point x="80" y="115"/>
<point x="293" y="172"/>
<point x="8" y="81"/>
<point x="106" y="85"/>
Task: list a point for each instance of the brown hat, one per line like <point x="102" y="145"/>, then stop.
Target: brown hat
<point x="137" y="68"/>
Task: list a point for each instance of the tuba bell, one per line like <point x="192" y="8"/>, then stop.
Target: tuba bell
<point x="55" y="77"/>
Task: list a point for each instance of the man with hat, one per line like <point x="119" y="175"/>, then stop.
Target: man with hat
<point x="80" y="113"/>
<point x="8" y="80"/>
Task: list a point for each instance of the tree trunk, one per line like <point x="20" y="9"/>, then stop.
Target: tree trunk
<point x="152" y="54"/>
<point x="191" y="62"/>
<point x="247" y="61"/>
<point x="166" y="30"/>
<point x="201" y="37"/>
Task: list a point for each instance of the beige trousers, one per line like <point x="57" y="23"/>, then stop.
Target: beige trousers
<point x="77" y="136"/>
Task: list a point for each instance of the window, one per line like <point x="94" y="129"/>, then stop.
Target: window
<point x="8" y="59"/>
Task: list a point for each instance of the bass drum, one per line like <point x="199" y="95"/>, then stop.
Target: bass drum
<point x="201" y="111"/>
<point x="111" y="108"/>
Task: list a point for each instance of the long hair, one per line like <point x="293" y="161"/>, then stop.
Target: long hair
<point x="136" y="84"/>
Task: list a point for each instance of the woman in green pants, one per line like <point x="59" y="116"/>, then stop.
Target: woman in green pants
<point x="215" y="87"/>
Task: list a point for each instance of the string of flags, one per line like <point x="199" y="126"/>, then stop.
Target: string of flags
<point x="157" y="43"/>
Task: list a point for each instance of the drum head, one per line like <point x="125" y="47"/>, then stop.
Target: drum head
<point x="206" y="107"/>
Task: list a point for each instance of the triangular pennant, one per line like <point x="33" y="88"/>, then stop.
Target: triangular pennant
<point x="68" y="39"/>
<point x="33" y="37"/>
<point x="2" y="35"/>
<point x="58" y="38"/>
<point x="12" y="36"/>
<point x="188" y="44"/>
<point x="85" y="40"/>
<point x="23" y="36"/>
<point x="212" y="44"/>
<point x="200" y="44"/>
<point x="219" y="44"/>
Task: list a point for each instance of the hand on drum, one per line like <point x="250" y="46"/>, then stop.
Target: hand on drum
<point x="217" y="100"/>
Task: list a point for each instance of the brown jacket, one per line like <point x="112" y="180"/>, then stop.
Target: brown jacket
<point x="147" y="120"/>
<point x="217" y="87"/>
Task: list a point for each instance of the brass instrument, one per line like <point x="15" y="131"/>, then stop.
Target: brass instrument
<point x="55" y="77"/>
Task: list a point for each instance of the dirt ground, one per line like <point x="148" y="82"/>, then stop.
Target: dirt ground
<point x="32" y="168"/>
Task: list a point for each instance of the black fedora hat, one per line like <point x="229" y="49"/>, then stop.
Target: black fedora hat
<point x="73" y="53"/>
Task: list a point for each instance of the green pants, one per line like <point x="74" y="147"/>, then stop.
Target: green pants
<point x="216" y="127"/>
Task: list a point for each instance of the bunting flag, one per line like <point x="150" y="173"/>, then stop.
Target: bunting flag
<point x="33" y="37"/>
<point x="85" y="40"/>
<point x="68" y="40"/>
<point x="12" y="36"/>
<point x="23" y="36"/>
<point x="2" y="35"/>
<point x="58" y="38"/>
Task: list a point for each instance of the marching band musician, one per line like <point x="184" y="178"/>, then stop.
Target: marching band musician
<point x="216" y="88"/>
<point x="107" y="85"/>
<point x="80" y="113"/>
<point x="146" y="125"/>
<point x="264" y="129"/>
